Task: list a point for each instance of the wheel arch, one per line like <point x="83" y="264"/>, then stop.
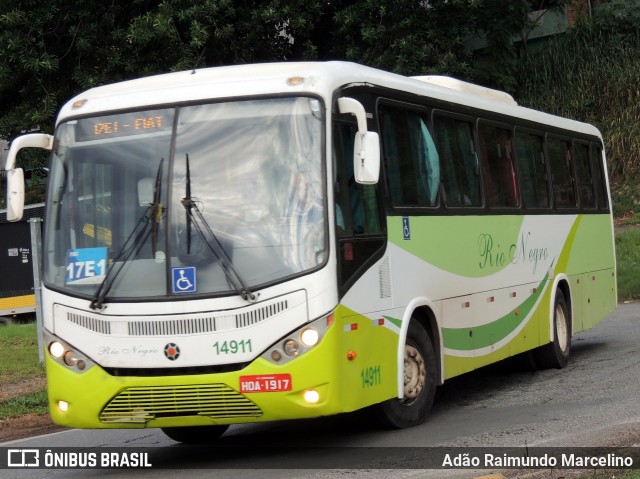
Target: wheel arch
<point x="422" y="310"/>
<point x="562" y="284"/>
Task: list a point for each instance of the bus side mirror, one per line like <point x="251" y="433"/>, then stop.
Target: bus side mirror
<point x="366" y="150"/>
<point x="15" y="194"/>
<point x="15" y="176"/>
<point x="366" y="158"/>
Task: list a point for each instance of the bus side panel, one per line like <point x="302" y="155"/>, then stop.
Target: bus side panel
<point x="591" y="267"/>
<point x="495" y="278"/>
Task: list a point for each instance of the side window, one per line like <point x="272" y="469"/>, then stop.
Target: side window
<point x="585" y="175"/>
<point x="361" y="235"/>
<point x="410" y="157"/>
<point x="534" y="181"/>
<point x="599" y="176"/>
<point x="458" y="161"/>
<point x="356" y="205"/>
<point x="498" y="166"/>
<point x="560" y="163"/>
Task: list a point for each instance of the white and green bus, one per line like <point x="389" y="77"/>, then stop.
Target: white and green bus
<point x="265" y="242"/>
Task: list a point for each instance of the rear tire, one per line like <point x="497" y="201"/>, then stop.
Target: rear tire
<point x="195" y="434"/>
<point x="556" y="354"/>
<point x="419" y="383"/>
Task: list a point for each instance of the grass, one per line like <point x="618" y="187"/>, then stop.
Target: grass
<point x="19" y="363"/>
<point x="30" y="403"/>
<point x="628" y="257"/>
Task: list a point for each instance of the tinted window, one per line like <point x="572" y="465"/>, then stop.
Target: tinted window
<point x="585" y="175"/>
<point x="498" y="166"/>
<point x="411" y="159"/>
<point x="534" y="185"/>
<point x="458" y="161"/>
<point x="560" y="163"/>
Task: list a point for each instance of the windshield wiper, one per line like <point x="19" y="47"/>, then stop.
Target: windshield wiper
<point x="195" y="217"/>
<point x="146" y="225"/>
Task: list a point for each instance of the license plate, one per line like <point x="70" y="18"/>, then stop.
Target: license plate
<point x="265" y="383"/>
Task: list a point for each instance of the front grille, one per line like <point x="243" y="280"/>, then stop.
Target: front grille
<point x="172" y="327"/>
<point x="94" y="324"/>
<point x="142" y="404"/>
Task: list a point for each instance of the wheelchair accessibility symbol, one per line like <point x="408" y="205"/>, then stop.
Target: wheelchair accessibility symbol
<point x="184" y="279"/>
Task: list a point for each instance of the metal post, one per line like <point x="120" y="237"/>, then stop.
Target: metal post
<point x="36" y="248"/>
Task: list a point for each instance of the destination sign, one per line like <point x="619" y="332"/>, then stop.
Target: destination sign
<point x="125" y="124"/>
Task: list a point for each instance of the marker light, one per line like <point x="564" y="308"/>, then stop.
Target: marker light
<point x="311" y="396"/>
<point x="295" y="81"/>
<point x="78" y="104"/>
<point x="56" y="349"/>
<point x="63" y="406"/>
<point x="310" y="337"/>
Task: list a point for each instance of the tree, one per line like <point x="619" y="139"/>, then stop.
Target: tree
<point x="506" y="25"/>
<point x="407" y="37"/>
<point x="50" y="51"/>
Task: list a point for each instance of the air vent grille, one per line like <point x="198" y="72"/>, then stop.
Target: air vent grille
<point x="142" y="404"/>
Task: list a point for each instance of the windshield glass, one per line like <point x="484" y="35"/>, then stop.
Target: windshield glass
<point x="206" y="199"/>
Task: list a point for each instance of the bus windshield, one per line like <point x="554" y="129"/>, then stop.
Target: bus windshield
<point x="200" y="199"/>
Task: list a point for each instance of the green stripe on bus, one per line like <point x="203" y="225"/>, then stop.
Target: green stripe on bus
<point x="491" y="333"/>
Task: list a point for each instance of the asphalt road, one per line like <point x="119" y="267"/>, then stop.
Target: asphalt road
<point x="594" y="401"/>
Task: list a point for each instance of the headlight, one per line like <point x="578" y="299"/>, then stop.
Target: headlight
<point x="56" y="349"/>
<point x="299" y="341"/>
<point x="66" y="354"/>
<point x="310" y="337"/>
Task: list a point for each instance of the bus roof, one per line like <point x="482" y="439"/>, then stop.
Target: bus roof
<point x="321" y="78"/>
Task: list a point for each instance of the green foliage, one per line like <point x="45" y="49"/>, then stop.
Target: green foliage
<point x="591" y="75"/>
<point x="506" y="26"/>
<point x="628" y="262"/>
<point x="30" y="403"/>
<point x="618" y="16"/>
<point x="407" y="37"/>
<point x="51" y="51"/>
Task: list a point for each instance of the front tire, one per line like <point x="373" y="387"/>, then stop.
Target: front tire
<point x="195" y="434"/>
<point x="419" y="383"/>
<point x="556" y="354"/>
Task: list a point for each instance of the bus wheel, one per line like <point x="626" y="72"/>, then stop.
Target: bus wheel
<point x="195" y="434"/>
<point x="556" y="354"/>
<point x="419" y="382"/>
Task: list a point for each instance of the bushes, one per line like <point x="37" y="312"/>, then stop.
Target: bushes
<point x="591" y="74"/>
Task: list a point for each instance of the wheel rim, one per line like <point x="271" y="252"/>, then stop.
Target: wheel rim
<point x="562" y="328"/>
<point x="415" y="374"/>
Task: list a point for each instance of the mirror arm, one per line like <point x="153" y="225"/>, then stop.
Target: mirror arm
<point x="349" y="105"/>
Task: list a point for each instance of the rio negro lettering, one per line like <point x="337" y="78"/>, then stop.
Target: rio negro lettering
<point x="494" y="255"/>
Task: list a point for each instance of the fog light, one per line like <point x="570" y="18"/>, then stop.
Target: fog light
<point x="56" y="349"/>
<point x="63" y="406"/>
<point x="311" y="396"/>
<point x="309" y="337"/>
<point x="291" y="347"/>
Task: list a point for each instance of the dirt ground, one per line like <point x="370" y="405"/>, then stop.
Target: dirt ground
<point x="26" y="426"/>
<point x="30" y="424"/>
